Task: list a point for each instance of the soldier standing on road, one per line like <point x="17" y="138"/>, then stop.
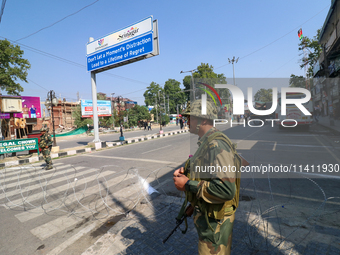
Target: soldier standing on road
<point x="46" y="144"/>
<point x="214" y="195"/>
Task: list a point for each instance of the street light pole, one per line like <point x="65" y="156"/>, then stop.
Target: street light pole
<point x="120" y="105"/>
<point x="112" y="109"/>
<point x="50" y="101"/>
<point x="160" y="114"/>
<point x="192" y="80"/>
<point x="233" y="61"/>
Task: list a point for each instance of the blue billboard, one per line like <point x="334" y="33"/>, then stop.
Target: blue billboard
<point x="126" y="44"/>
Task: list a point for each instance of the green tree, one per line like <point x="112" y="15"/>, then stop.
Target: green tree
<point x="119" y="117"/>
<point x="78" y="120"/>
<point x="12" y="67"/>
<point x="205" y="73"/>
<point x="297" y="81"/>
<point x="151" y="93"/>
<point x="101" y="96"/>
<point x="106" y="121"/>
<point x="314" y="49"/>
<point x="176" y="96"/>
<point x="264" y="95"/>
<point x="138" y="113"/>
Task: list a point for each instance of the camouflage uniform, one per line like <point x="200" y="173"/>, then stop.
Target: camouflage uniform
<point x="216" y="198"/>
<point x="46" y="140"/>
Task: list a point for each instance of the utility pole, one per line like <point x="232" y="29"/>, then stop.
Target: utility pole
<point x="156" y="110"/>
<point x="112" y="111"/>
<point x="160" y="115"/>
<point x="168" y="106"/>
<point x="233" y="61"/>
<point x="192" y="81"/>
<point x="164" y="103"/>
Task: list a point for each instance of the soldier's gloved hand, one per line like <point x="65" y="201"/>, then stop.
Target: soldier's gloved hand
<point x="179" y="172"/>
<point x="180" y="181"/>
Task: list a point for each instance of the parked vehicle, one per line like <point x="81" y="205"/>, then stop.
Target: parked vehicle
<point x="293" y="113"/>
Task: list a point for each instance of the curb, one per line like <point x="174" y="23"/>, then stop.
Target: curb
<point x="87" y="150"/>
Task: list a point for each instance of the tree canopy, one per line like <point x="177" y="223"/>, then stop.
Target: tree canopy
<point x="176" y="96"/>
<point x="151" y="93"/>
<point x="138" y="113"/>
<point x="78" y="120"/>
<point x="12" y="67"/>
<point x="205" y="73"/>
<point x="264" y="95"/>
<point x="314" y="50"/>
<point x="297" y="81"/>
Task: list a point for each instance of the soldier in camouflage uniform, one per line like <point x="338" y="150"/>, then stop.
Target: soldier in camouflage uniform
<point x="46" y="144"/>
<point x="215" y="197"/>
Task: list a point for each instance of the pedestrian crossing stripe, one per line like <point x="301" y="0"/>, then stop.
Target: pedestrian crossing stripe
<point x="62" y="223"/>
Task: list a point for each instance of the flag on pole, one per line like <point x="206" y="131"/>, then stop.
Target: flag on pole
<point x="300" y="34"/>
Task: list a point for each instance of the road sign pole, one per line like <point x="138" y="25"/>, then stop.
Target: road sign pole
<point x="94" y="105"/>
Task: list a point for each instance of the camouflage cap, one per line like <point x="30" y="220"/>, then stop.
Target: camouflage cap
<point x="195" y="109"/>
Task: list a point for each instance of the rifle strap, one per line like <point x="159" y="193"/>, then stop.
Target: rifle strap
<point x="182" y="213"/>
<point x="186" y="226"/>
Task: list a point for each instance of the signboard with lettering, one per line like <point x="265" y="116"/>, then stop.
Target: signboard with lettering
<point x="103" y="108"/>
<point x="131" y="42"/>
<point x="10" y="146"/>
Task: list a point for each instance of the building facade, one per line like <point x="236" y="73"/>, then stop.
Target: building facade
<point x="326" y="71"/>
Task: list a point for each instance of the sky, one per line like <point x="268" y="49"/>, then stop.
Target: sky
<point x="262" y="33"/>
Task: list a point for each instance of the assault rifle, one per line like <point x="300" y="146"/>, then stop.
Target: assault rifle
<point x="188" y="212"/>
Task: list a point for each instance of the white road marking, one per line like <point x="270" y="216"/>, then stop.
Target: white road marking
<point x="31" y="214"/>
<point x="131" y="159"/>
<point x="73" y="239"/>
<point x="30" y="188"/>
<point x="290" y="196"/>
<point x="39" y="175"/>
<point x="333" y="155"/>
<point x="302" y="145"/>
<point x="53" y="227"/>
<point x="274" y="147"/>
<point x="156" y="149"/>
<point x="40" y="195"/>
<point x="10" y="170"/>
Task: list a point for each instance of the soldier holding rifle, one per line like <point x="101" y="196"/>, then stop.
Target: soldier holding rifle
<point x="214" y="196"/>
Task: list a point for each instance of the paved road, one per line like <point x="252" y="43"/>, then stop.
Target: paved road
<point x="69" y="142"/>
<point x="67" y="210"/>
<point x="60" y="211"/>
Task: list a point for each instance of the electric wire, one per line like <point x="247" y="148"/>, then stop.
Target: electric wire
<point x="56" y="21"/>
<point x="263" y="47"/>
